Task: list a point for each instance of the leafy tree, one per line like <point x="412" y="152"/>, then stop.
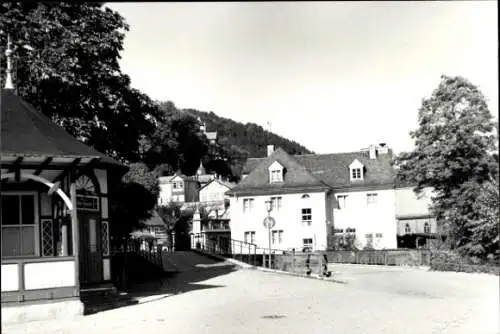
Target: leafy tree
<point x="72" y="73"/>
<point x="453" y="154"/>
<point x="133" y="203"/>
<point x="177" y="142"/>
<point x="170" y="214"/>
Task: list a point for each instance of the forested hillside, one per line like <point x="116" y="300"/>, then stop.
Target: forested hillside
<point x="249" y="137"/>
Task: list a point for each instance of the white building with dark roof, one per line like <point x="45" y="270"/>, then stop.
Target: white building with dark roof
<point x="315" y="196"/>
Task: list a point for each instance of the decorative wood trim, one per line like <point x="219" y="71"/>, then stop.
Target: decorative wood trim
<point x="87" y="169"/>
<point x="15" y="166"/>
<point x="54" y="166"/>
<point x="104" y="238"/>
<point x="67" y="170"/>
<point x="43" y="166"/>
<point x="47" y="237"/>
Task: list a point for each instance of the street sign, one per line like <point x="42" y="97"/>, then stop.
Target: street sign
<point x="269" y="222"/>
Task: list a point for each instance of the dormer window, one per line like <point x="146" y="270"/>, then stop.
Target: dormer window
<point x="356" y="170"/>
<point x="275" y="172"/>
<point x="276" y="176"/>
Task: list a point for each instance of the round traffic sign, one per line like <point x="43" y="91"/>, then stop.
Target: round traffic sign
<point x="269" y="222"/>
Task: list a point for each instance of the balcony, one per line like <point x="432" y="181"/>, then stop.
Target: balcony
<point x="215" y="226"/>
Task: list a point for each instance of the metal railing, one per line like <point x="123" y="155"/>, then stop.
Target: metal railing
<point x="239" y="250"/>
<point x="215" y="226"/>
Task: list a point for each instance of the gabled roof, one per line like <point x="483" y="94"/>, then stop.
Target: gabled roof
<point x="205" y="178"/>
<point x="356" y="164"/>
<point x="333" y="169"/>
<point x="228" y="185"/>
<point x="296" y="176"/>
<point x="169" y="178"/>
<point x="251" y="164"/>
<point x="154" y="220"/>
<point x="27" y="132"/>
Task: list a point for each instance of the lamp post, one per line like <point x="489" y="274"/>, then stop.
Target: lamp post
<point x="269" y="223"/>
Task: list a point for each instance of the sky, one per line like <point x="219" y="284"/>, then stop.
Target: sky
<point x="332" y="76"/>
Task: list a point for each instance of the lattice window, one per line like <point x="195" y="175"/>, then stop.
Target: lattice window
<point x="105" y="238"/>
<point x="47" y="238"/>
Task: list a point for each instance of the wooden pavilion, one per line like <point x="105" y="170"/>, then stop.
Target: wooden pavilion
<point x="54" y="209"/>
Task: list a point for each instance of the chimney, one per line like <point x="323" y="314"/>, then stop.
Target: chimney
<point x="373" y="152"/>
<point x="270" y="149"/>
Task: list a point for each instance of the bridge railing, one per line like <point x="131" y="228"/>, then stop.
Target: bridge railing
<point x="239" y="250"/>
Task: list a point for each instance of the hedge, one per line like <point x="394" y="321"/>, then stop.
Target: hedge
<point x="450" y="261"/>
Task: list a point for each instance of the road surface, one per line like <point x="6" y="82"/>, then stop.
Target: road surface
<point x="217" y="298"/>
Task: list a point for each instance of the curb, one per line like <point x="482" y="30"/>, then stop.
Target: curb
<point x="312" y="276"/>
<point x="240" y="264"/>
<point x="244" y="265"/>
<point x="362" y="265"/>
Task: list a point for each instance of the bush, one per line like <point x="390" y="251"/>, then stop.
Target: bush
<point x="450" y="261"/>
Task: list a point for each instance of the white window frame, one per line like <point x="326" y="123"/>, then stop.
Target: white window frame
<point x="275" y="171"/>
<point x="307" y="244"/>
<point x="249" y="235"/>
<point x="247" y="204"/>
<point x="277" y="237"/>
<point x="407" y="228"/>
<point x="356" y="171"/>
<point x="36" y="225"/>
<point x="276" y="176"/>
<point x="177" y="185"/>
<point x="342" y="201"/>
<point x="276" y="202"/>
<point x="356" y="174"/>
<point x="427" y="228"/>
<point x="371" y="199"/>
<point x="306" y="215"/>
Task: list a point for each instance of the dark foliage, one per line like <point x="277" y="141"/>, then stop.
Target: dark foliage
<point x="456" y="154"/>
<point x="72" y="73"/>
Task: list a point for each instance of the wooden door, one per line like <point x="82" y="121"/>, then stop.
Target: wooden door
<point x="91" y="270"/>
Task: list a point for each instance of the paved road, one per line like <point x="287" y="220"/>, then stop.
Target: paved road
<point x="217" y="299"/>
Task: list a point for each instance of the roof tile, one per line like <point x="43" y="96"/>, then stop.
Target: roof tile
<point x="330" y="169"/>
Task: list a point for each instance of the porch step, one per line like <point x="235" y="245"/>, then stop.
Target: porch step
<point x="94" y="292"/>
<point x="100" y="300"/>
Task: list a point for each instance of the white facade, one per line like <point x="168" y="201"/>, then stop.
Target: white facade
<point x="165" y="195"/>
<point x="354" y="194"/>
<point x="167" y="191"/>
<point x="409" y="204"/>
<point x="371" y="214"/>
<point x="214" y="191"/>
<point x="413" y="211"/>
<point x="290" y="230"/>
